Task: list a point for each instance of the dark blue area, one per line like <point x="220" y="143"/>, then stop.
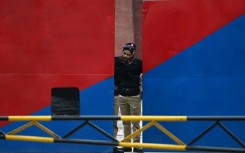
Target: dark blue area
<point x="194" y="96"/>
<point x="98" y="99"/>
<point x="206" y="79"/>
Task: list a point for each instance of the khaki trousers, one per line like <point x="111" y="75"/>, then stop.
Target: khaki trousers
<point x="130" y="105"/>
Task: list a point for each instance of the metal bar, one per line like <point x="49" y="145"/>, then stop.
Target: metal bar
<point x="203" y="133"/>
<point x="81" y="141"/>
<point x="51" y="133"/>
<point x="232" y="135"/>
<point x="230" y="118"/>
<point x="124" y="143"/>
<point x="21" y="128"/>
<point x="156" y="118"/>
<point x="29" y="138"/>
<point x="86" y="118"/>
<point x="153" y="146"/>
<point x="124" y="118"/>
<point x="2" y="136"/>
<point x="4" y="118"/>
<point x="29" y="118"/>
<point x="136" y="132"/>
<point x="102" y="131"/>
<point x="75" y="129"/>
<point x="218" y="149"/>
<point x="2" y="133"/>
<point x="169" y="134"/>
<point x="49" y="118"/>
<point x="52" y="140"/>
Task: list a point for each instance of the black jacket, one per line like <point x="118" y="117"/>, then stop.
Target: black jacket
<point x="127" y="77"/>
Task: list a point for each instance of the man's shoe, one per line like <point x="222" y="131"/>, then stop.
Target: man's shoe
<point x="117" y="150"/>
<point x="138" y="150"/>
<point x="127" y="149"/>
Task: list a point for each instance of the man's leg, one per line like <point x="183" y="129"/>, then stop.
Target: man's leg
<point x="135" y="110"/>
<point x="125" y="110"/>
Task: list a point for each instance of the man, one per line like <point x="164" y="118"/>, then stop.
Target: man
<point x="128" y="75"/>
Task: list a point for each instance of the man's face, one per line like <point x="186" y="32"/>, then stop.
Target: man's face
<point x="127" y="54"/>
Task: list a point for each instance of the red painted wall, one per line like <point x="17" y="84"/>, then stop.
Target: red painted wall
<point x="52" y="43"/>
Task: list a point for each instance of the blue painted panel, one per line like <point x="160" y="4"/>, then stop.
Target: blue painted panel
<point x="194" y="96"/>
<point x="98" y="99"/>
<point x="205" y="79"/>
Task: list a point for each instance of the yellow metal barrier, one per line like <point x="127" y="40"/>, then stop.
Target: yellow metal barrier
<point x="153" y="121"/>
<point x="29" y="118"/>
<point x="155" y="118"/>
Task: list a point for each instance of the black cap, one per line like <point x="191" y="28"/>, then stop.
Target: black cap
<point x="129" y="46"/>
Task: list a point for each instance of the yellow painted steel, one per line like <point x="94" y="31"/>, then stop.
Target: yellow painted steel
<point x="29" y="118"/>
<point x="29" y="138"/>
<point x="160" y="127"/>
<point x="156" y="118"/>
<point x="173" y="137"/>
<point x="46" y="130"/>
<point x="153" y="146"/>
<point x="123" y="118"/>
<point x="21" y="128"/>
<point x="138" y="132"/>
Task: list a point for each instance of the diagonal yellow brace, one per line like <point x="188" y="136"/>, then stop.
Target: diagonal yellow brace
<point x="21" y="128"/>
<point x="51" y="133"/>
<point x="138" y="132"/>
<point x="173" y="137"/>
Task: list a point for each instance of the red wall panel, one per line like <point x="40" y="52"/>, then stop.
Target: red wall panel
<point x="171" y="26"/>
<point x="52" y="43"/>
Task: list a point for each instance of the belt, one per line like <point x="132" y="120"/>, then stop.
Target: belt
<point x="129" y="91"/>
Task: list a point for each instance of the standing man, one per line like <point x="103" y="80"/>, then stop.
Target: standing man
<point x="128" y="73"/>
